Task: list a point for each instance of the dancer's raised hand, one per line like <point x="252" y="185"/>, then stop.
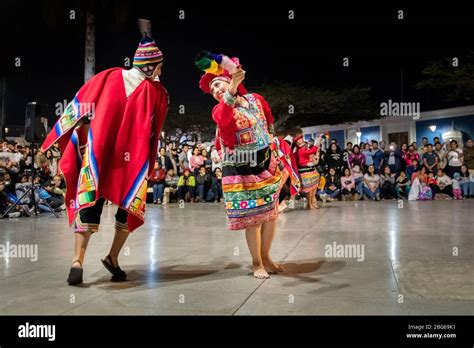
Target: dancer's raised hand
<point x="237" y="79"/>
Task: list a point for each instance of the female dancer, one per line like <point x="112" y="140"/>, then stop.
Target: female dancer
<point x="251" y="171"/>
<point x="306" y="166"/>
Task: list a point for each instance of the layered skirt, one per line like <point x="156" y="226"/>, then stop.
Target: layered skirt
<point x="251" y="190"/>
<point x="309" y="178"/>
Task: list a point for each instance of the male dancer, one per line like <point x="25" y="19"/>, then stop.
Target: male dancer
<point x="109" y="136"/>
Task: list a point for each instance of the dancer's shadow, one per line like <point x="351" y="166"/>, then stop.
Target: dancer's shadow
<point x="140" y="276"/>
<point x="308" y="270"/>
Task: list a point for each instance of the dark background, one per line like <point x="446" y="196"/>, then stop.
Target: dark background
<point x="307" y="50"/>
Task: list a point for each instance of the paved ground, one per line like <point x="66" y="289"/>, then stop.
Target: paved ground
<point x="184" y="261"/>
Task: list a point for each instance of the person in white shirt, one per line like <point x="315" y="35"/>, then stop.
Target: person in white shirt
<point x="455" y="159"/>
<point x="216" y="160"/>
<point x="444" y="184"/>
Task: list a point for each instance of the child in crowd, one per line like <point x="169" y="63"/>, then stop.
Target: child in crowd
<point x="402" y="185"/>
<point x="457" y="193"/>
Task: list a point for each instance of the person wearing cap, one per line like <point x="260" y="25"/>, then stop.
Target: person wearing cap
<point x="108" y="136"/>
<point x="251" y="168"/>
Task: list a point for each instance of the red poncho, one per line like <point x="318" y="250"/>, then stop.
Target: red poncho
<point x="114" y="156"/>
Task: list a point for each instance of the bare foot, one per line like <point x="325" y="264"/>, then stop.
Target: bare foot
<point x="259" y="272"/>
<point x="272" y="267"/>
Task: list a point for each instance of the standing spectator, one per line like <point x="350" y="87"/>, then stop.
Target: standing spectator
<point x="215" y="158"/>
<point x="457" y="193"/>
<point x="334" y="158"/>
<point x="173" y="156"/>
<point x="455" y="159"/>
<point x="469" y="156"/>
<point x="372" y="184"/>
<point x="411" y="155"/>
<point x="157" y="182"/>
<point x="403" y="150"/>
<point x="424" y="146"/>
<point x="51" y="162"/>
<point x="196" y="161"/>
<point x="377" y="157"/>
<point x="203" y="184"/>
<point x="164" y="160"/>
<point x="186" y="185"/>
<point x="348" y="186"/>
<point x="217" y="184"/>
<point x="430" y="159"/>
<point x="356" y="157"/>
<point x="393" y="158"/>
<point x="367" y="156"/>
<point x="441" y="153"/>
<point x="183" y="158"/>
<point x="207" y="161"/>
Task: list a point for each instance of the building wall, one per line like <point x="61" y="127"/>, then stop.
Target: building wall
<point x="461" y="123"/>
<point x="370" y="133"/>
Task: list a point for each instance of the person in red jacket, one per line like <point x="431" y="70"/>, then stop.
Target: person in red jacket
<point x="251" y="169"/>
<point x="305" y="158"/>
<point x="109" y="138"/>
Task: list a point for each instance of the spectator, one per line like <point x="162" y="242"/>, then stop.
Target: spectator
<point x="215" y="158"/>
<point x="356" y="157"/>
<point x="411" y="155"/>
<point x="171" y="186"/>
<point x="372" y="184"/>
<point x="217" y="184"/>
<point x="157" y="182"/>
<point x="424" y="146"/>
<point x="388" y="188"/>
<point x="348" y="186"/>
<point x="441" y="153"/>
<point x="334" y="158"/>
<point x="173" y="156"/>
<point x="333" y="186"/>
<point x="403" y="163"/>
<point x="359" y="180"/>
<point x="457" y="193"/>
<point x="393" y="158"/>
<point x="53" y="168"/>
<point x="455" y="159"/>
<point x="186" y="186"/>
<point x="430" y="159"/>
<point x="467" y="186"/>
<point x="413" y="168"/>
<point x="203" y="184"/>
<point x="377" y="156"/>
<point x="469" y="156"/>
<point x="196" y="161"/>
<point x="164" y="160"/>
<point x="402" y="185"/>
<point x="444" y="185"/>
<point x="183" y="158"/>
<point x="207" y="161"/>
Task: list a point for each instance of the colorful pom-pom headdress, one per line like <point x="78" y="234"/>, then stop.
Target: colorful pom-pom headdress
<point x="217" y="66"/>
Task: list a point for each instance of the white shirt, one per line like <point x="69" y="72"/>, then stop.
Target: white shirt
<point x="454" y="158"/>
<point x="215" y="155"/>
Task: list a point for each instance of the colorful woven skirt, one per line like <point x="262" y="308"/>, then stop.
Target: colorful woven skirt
<point x="309" y="178"/>
<point x="251" y="192"/>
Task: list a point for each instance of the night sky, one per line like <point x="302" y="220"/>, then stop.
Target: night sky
<point x="307" y="50"/>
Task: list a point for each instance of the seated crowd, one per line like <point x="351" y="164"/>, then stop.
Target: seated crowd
<point x="372" y="171"/>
